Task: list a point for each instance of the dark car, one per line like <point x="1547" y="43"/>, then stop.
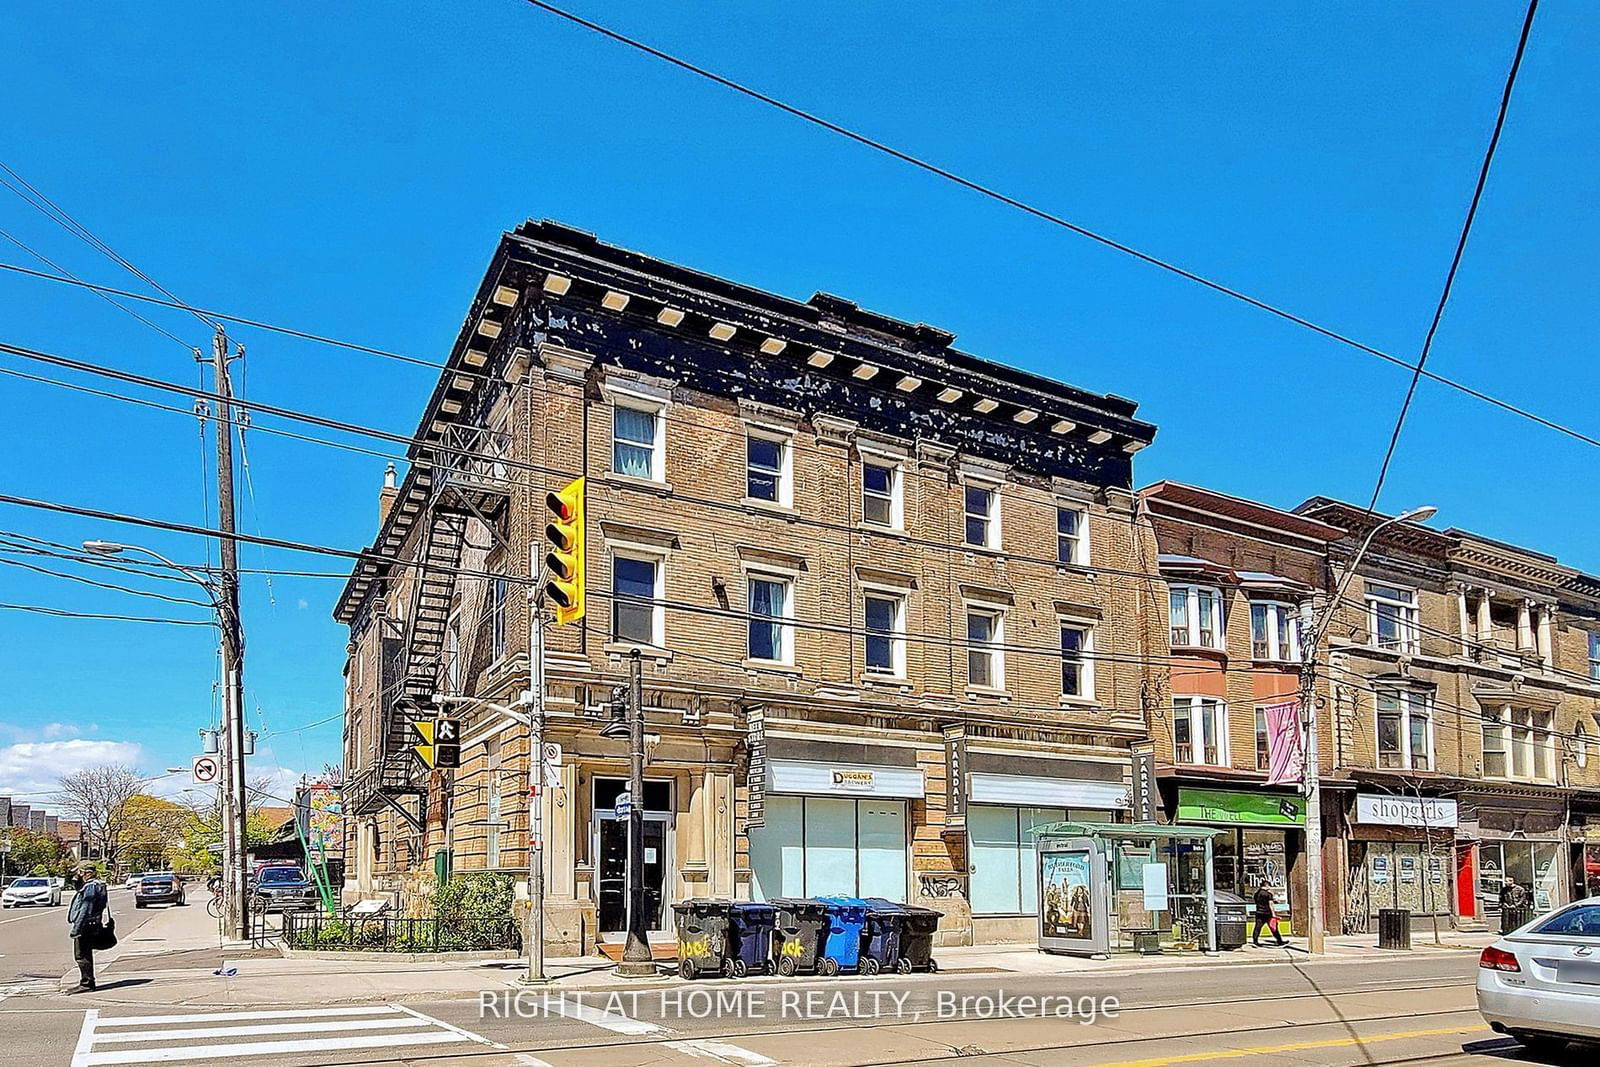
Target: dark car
<point x="161" y="888"/>
<point x="283" y="889"/>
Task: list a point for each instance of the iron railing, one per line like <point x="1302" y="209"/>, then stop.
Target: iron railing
<point x="314" y="930"/>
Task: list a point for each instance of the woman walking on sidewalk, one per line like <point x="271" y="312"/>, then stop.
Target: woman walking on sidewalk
<point x="84" y="924"/>
<point x="1266" y="916"/>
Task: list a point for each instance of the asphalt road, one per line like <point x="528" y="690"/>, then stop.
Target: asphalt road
<point x="33" y="941"/>
<point x="1332" y="1014"/>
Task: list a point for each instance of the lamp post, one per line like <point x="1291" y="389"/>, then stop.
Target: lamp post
<point x="1308" y="716"/>
<point x="234" y="810"/>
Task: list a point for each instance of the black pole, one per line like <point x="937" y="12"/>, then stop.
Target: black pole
<point x="636" y="959"/>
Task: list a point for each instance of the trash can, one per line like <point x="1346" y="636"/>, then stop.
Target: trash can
<point x="1394" y="928"/>
<point x="1233" y="920"/>
<point x="847" y="918"/>
<point x="881" y="936"/>
<point x="1515" y="918"/>
<point x="917" y="927"/>
<point x="702" y="935"/>
<point x="749" y="938"/>
<point x="799" y="928"/>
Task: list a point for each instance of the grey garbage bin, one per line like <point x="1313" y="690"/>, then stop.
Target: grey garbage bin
<point x="1515" y="918"/>
<point x="1233" y="920"/>
<point x="1394" y="928"/>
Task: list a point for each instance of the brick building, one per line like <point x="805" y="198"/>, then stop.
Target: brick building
<point x="894" y="603"/>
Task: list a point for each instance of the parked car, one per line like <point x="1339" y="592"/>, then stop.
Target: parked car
<point x="283" y="889"/>
<point x="1541" y="982"/>
<point x="133" y="880"/>
<point x="162" y="887"/>
<point x="30" y="890"/>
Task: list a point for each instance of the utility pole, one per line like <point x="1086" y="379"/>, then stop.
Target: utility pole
<point x="1316" y="919"/>
<point x="636" y="959"/>
<point x="235" y="877"/>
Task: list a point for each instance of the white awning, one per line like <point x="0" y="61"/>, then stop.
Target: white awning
<point x="817" y="778"/>
<point x="1028" y="791"/>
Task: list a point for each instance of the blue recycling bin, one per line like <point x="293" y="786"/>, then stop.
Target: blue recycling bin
<point x="841" y="949"/>
<point x="750" y="936"/>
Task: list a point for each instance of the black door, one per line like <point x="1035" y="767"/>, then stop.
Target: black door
<point x="613" y="868"/>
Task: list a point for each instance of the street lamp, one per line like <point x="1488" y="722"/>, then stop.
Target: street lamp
<point x="225" y="600"/>
<point x="1308" y="716"/>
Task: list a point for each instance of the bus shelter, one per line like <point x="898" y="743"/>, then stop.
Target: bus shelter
<point x="1109" y="887"/>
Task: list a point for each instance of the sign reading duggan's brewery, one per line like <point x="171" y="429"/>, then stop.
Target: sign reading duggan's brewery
<point x="1430" y="812"/>
<point x="853" y="779"/>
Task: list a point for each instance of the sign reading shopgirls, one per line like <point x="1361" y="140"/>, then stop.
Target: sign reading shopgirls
<point x="1421" y="812"/>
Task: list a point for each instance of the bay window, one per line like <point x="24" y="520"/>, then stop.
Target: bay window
<point x="1274" y="631"/>
<point x="1195" y="613"/>
<point x="1392" y="617"/>
<point x="1520" y="743"/>
<point x="1200" y="731"/>
<point x="1405" y="729"/>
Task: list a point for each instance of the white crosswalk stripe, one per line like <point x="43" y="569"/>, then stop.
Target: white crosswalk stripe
<point x="267" y="1032"/>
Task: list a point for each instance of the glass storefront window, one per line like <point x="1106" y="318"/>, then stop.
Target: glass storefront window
<point x="1005" y="865"/>
<point x="1531" y="864"/>
<point x="830" y="846"/>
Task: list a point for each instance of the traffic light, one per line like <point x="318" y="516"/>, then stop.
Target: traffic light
<point x="563" y="584"/>
<point x="446" y="744"/>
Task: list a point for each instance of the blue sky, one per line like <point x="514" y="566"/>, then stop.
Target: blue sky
<point x="347" y="170"/>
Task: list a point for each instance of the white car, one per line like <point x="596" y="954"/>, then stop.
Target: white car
<point x="30" y="890"/>
<point x="1541" y="983"/>
<point x="133" y="881"/>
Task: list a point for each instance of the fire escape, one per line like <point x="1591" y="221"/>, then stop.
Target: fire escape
<point x="470" y="480"/>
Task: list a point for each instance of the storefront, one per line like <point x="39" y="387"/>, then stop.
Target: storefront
<point x="1401" y="855"/>
<point x="1585" y="830"/>
<point x="836" y="827"/>
<point x="1264" y="834"/>
<point x="1517" y="838"/>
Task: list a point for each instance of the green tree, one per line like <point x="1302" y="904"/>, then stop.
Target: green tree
<point x="37" y="852"/>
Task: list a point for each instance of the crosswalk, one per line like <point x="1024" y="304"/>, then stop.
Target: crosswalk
<point x="220" y="1035"/>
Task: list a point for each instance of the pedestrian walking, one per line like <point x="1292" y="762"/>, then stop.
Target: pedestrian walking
<point x="1266" y="915"/>
<point x="87" y="923"/>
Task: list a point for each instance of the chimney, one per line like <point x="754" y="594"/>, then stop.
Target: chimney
<point x="387" y="494"/>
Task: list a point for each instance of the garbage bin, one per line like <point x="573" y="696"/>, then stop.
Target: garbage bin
<point x="799" y="928"/>
<point x="749" y="938"/>
<point x="1515" y="918"/>
<point x="1394" y="928"/>
<point x="847" y="917"/>
<point x="702" y="935"/>
<point x="917" y="927"/>
<point x="881" y="936"/>
<point x="1233" y="920"/>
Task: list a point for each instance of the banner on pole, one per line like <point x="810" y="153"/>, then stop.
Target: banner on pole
<point x="1286" y="759"/>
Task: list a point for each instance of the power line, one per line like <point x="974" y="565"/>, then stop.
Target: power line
<point x="103" y="585"/>
<point x="1461" y="248"/>
<point x="57" y="612"/>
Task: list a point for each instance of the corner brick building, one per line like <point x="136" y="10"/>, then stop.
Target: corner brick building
<point x="895" y="603"/>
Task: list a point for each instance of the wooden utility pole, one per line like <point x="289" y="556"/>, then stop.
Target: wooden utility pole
<point x="235" y="876"/>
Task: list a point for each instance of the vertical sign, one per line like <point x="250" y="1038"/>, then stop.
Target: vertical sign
<point x="955" y="778"/>
<point x="1144" y="783"/>
<point x="756" y="776"/>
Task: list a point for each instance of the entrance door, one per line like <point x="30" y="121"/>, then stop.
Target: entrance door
<point x="612" y="872"/>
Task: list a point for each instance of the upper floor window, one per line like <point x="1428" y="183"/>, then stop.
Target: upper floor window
<point x="635" y="600"/>
<point x="768" y="466"/>
<point x="636" y="440"/>
<point x="1580" y="744"/>
<point x="1274" y="631"/>
<point x="884" y="618"/>
<point x="770" y="607"/>
<point x="980" y="503"/>
<point x="1405" y="730"/>
<point x="1072" y="536"/>
<point x="1594" y="656"/>
<point x="1520" y="743"/>
<point x="1392" y="617"/>
<point x="497" y="619"/>
<point x="1263" y="740"/>
<point x="1195" y="614"/>
<point x="1200" y="731"/>
<point x="1077" y="660"/>
<point x="985" y="661"/>
<point x="881" y="494"/>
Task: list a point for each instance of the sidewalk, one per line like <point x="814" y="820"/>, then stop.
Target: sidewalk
<point x="172" y="960"/>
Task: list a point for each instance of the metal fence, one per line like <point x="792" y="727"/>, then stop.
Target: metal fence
<point x="314" y="930"/>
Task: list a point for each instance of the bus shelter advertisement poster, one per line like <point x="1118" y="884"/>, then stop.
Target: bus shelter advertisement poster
<point x="1065" y="878"/>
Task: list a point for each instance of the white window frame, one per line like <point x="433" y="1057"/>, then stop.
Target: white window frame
<point x="1594" y="655"/>
<point x="900" y="600"/>
<point x="1580" y="744"/>
<point x="1078" y="552"/>
<point x="652" y="400"/>
<point x="992" y="539"/>
<point x="658" y="560"/>
<point x="993" y="648"/>
<point x="493" y="805"/>
<point x="897" y="492"/>
<point x="1522" y="756"/>
<point x="1407" y="701"/>
<point x="1408" y="616"/>
<point x="785" y="623"/>
<point x="1192" y="708"/>
<point x="785" y="442"/>
<point x="1275" y="612"/>
<point x="1219" y="629"/>
<point x="1085" y="660"/>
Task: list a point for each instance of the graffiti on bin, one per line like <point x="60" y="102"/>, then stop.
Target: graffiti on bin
<point x="694" y="950"/>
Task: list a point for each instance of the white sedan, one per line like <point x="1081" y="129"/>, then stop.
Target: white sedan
<point x="1541" y="983"/>
<point x="31" y="890"/>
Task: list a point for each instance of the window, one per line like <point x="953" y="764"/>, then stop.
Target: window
<point x="767" y="468"/>
<point x="814" y="846"/>
<point x="1392" y="617"/>
<point x="1077" y="660"/>
<point x="1195" y="613"/>
<point x="635" y="584"/>
<point x="1072" y="536"/>
<point x="1263" y="743"/>
<point x="497" y="619"/>
<point x="491" y="841"/>
<point x="985" y="662"/>
<point x="452" y="657"/>
<point x="1405" y="730"/>
<point x="983" y="526"/>
<point x="1594" y="656"/>
<point x="1200" y="731"/>
<point x="636" y="441"/>
<point x="885" y="623"/>
<point x="1274" y="631"/>
<point x="1580" y="744"/>
<point x="770" y="636"/>
<point x="1579" y="920"/>
<point x="880" y="494"/>
<point x="1520" y="743"/>
<point x="1005" y="864"/>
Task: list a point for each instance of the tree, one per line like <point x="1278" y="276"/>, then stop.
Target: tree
<point x="36" y="852"/>
<point x="153" y="831"/>
<point x="98" y="798"/>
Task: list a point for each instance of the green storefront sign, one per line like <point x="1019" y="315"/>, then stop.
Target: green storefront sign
<point x="1234" y="808"/>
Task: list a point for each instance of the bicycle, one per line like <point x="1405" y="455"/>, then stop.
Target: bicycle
<point x="214" y="905"/>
